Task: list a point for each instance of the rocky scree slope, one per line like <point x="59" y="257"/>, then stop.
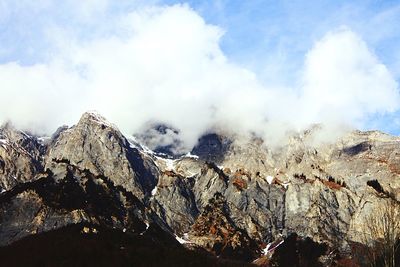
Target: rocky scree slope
<point x="230" y="197"/>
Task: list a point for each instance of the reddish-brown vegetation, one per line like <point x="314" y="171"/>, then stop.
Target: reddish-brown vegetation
<point x="332" y="185"/>
<point x="239" y="183"/>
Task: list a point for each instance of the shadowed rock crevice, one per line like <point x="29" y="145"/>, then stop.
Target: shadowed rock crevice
<point x="376" y="185"/>
<point x="298" y="252"/>
<point x="145" y="174"/>
<point x="357" y="149"/>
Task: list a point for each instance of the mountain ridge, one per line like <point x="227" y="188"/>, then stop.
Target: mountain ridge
<point x="92" y="173"/>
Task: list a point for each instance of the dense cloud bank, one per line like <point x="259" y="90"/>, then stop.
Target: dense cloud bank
<point x="165" y="64"/>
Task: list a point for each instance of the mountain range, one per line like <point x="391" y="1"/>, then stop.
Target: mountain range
<point x="92" y="196"/>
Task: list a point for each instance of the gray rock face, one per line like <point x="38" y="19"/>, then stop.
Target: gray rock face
<point x="69" y="196"/>
<point x="316" y="191"/>
<point x="27" y="214"/>
<point x="235" y="194"/>
<point x="98" y="146"/>
<point x="214" y="230"/>
<point x="181" y="210"/>
<point x="20" y="157"/>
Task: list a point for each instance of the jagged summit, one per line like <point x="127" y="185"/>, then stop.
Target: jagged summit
<point x="94" y="117"/>
<point x="96" y="145"/>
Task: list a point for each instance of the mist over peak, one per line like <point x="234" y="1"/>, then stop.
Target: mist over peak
<point x="166" y="64"/>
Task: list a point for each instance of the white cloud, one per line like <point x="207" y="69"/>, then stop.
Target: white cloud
<point x="345" y="82"/>
<point x="165" y="64"/>
<point x="39" y="97"/>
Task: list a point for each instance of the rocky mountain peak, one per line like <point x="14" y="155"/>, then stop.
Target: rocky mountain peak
<point x="98" y="146"/>
<point x="93" y="118"/>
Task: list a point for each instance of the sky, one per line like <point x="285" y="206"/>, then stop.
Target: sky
<point x="260" y="67"/>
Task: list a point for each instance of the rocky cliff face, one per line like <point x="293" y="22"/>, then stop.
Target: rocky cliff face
<point x="233" y="198"/>
<point x="21" y="157"/>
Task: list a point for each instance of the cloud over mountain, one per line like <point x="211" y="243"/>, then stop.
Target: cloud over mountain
<point x="165" y="63"/>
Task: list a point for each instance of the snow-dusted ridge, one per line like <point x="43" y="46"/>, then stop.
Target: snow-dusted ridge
<point x="189" y="155"/>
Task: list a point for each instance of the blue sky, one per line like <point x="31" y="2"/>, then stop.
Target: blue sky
<point x="259" y="30"/>
<point x="254" y="30"/>
<point x="271" y="39"/>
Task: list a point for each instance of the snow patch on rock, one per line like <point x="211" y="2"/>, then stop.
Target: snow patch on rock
<point x="189" y="155"/>
<point x="271" y="247"/>
<point x="270" y="179"/>
<point x="181" y="240"/>
<point x="97" y="117"/>
<point x="4" y="143"/>
<point x="147" y="227"/>
<point x="170" y="164"/>
<point x="154" y="191"/>
<point x="266" y="249"/>
<point x="147" y="150"/>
